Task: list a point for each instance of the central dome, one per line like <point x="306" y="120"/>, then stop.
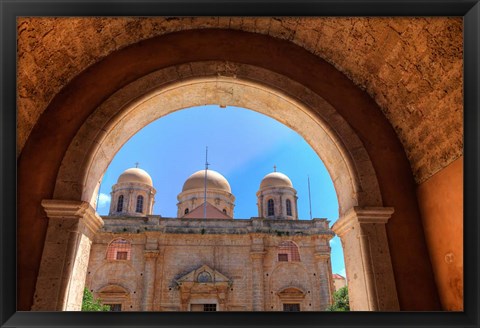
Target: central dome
<point x="214" y="181"/>
<point x="276" y="179"/>
<point x="135" y="174"/>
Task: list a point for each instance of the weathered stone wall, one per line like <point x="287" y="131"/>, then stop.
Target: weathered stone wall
<point x="178" y="254"/>
<point x="412" y="67"/>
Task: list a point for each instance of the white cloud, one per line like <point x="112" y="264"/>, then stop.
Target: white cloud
<point x="104" y="200"/>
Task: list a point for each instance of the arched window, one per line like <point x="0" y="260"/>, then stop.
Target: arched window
<point x="289" y="207"/>
<point x="224" y="211"/>
<point x="139" y="204"/>
<point x="186" y="211"/>
<point x="120" y="203"/>
<point x="288" y="252"/>
<point x="119" y="249"/>
<point x="270" y="208"/>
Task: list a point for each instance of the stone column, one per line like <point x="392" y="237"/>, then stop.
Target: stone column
<point x="151" y="202"/>
<point x="149" y="279"/>
<point x="371" y="283"/>
<point x="63" y="268"/>
<point x="322" y="262"/>
<point x="256" y="254"/>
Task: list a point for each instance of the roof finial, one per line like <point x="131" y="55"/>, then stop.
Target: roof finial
<point x="136" y="164"/>
<point x="274" y="168"/>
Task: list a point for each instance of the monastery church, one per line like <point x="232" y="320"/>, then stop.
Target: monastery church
<point x="204" y="260"/>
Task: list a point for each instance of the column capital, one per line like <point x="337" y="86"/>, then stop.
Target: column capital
<point x="257" y="254"/>
<point x="362" y="215"/>
<point x="321" y="255"/>
<point x="68" y="209"/>
<point x="149" y="254"/>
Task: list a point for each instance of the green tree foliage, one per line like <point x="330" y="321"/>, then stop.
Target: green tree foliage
<point x="91" y="304"/>
<point x="340" y="300"/>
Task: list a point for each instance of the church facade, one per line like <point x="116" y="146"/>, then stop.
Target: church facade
<point x="204" y="260"/>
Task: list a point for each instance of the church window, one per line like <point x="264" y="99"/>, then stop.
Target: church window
<point x="282" y="257"/>
<point x="209" y="307"/>
<point x="270" y="208"/>
<point x="203" y="307"/>
<point x="288" y="251"/>
<point x="122" y="255"/>
<point x="289" y="207"/>
<point x="120" y="203"/>
<point x="139" y="204"/>
<point x="186" y="211"/>
<point x="119" y="249"/>
<point x="291" y="307"/>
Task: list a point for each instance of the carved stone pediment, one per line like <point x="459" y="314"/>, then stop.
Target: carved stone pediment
<point x="291" y="294"/>
<point x="113" y="291"/>
<point x="203" y="275"/>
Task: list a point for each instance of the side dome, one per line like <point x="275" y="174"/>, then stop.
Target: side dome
<point x="135" y="174"/>
<point x="276" y="179"/>
<point x="214" y="181"/>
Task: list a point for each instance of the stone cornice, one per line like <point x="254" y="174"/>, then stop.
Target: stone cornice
<point x="67" y="209"/>
<point x="150" y="254"/>
<point x="362" y="215"/>
<point x="218" y="226"/>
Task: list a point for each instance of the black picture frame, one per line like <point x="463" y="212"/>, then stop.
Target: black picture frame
<point x="469" y="9"/>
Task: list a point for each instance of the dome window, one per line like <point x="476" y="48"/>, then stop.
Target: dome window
<point x="120" y="203"/>
<point x="289" y="207"/>
<point x="119" y="249"/>
<point x="270" y="208"/>
<point x="139" y="204"/>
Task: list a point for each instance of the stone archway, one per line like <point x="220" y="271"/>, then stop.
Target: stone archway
<point x="131" y="108"/>
<point x="352" y="137"/>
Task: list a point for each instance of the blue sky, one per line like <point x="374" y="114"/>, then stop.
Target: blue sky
<point x="242" y="145"/>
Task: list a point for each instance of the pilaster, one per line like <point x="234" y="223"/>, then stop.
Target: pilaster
<point x="371" y="283"/>
<point x="149" y="279"/>
<point x="63" y="268"/>
<point x="257" y="254"/>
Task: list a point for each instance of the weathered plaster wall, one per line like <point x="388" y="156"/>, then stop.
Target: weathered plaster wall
<point x="412" y="67"/>
<point x="441" y="204"/>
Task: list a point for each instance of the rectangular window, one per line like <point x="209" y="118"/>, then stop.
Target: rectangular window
<point x="291" y="307"/>
<point x="122" y="255"/>
<point x="115" y="307"/>
<point x="203" y="307"/>
<point x="209" y="307"/>
<point x="282" y="257"/>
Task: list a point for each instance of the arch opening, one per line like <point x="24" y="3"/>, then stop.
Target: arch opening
<point x="348" y="164"/>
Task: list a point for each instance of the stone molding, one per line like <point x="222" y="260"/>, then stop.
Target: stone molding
<point x="359" y="214"/>
<point x="67" y="209"/>
<point x="150" y="254"/>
